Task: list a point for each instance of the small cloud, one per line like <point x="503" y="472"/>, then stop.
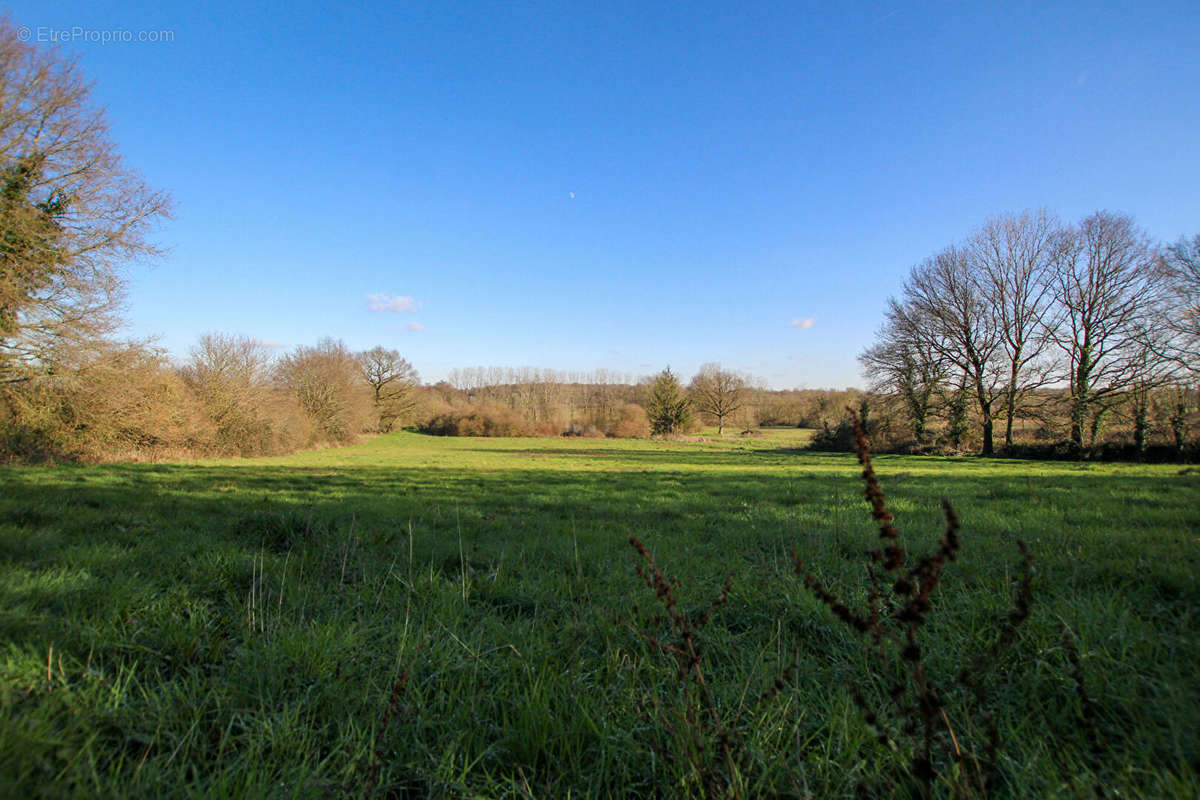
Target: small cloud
<point x="415" y="327"/>
<point x="804" y="324"/>
<point x="384" y="302"/>
<point x="572" y="195"/>
<point x="267" y="343"/>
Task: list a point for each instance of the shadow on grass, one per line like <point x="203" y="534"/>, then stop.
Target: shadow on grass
<point x="47" y="514"/>
<point x="158" y="570"/>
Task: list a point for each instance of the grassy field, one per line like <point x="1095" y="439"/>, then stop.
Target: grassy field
<point x="237" y="629"/>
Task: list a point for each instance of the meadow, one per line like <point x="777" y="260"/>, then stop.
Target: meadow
<point x="461" y="617"/>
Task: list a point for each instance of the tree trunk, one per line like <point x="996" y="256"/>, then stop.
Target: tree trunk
<point x="985" y="411"/>
<point x="1010" y="400"/>
<point x="1010" y="414"/>
<point x="1097" y="425"/>
<point x="1140" y="423"/>
<point x="1080" y="399"/>
<point x="1078" y="420"/>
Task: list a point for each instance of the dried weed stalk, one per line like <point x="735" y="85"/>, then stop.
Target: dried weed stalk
<point x="912" y="718"/>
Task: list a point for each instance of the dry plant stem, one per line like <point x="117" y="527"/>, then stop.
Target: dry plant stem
<point x="896" y="613"/>
<point x="690" y="670"/>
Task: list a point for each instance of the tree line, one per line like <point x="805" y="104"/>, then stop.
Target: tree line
<point x="1031" y="318"/>
<point x="233" y="395"/>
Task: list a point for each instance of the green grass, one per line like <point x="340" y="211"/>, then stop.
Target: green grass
<point x="233" y="629"/>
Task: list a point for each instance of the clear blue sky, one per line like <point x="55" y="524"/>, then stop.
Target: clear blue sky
<point x="620" y="185"/>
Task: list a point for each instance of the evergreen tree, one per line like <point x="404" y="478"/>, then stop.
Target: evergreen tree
<point x="667" y="406"/>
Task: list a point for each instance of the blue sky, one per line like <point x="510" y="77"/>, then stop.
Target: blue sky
<point x="620" y="185"/>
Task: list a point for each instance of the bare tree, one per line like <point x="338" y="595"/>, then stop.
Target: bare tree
<point x="1150" y="368"/>
<point x="958" y="322"/>
<point x="1107" y="289"/>
<point x="1180" y="268"/>
<point x="230" y="376"/>
<point x="1012" y="258"/>
<point x="72" y="213"/>
<point x="718" y="393"/>
<point x="393" y="382"/>
<point x="327" y="382"/>
<point x="903" y="362"/>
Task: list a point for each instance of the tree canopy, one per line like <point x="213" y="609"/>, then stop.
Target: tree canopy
<point x="72" y="214"/>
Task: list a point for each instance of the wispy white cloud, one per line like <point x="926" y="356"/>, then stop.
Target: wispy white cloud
<point x="267" y="343"/>
<point x="804" y="324"/>
<point x="415" y="327"/>
<point x="386" y="302"/>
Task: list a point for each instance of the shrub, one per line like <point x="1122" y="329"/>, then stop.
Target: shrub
<point x="631" y="422"/>
<point x="114" y="400"/>
<point x="547" y="430"/>
<point x="1067" y="450"/>
<point x="838" y="439"/>
<point x="841" y="438"/>
<point x="484" y="420"/>
<point x="326" y="381"/>
<point x="246" y="415"/>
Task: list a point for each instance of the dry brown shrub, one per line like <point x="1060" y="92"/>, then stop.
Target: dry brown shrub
<point x="631" y="422"/>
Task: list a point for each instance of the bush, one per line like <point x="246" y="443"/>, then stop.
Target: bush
<point x="1109" y="451"/>
<point x="485" y="420"/>
<point x="116" y="401"/>
<point x="841" y="438"/>
<point x="489" y="419"/>
<point x="326" y="381"/>
<point x="838" y="439"/>
<point x="631" y="422"/>
<point x="245" y="415"/>
<point x="548" y="430"/>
